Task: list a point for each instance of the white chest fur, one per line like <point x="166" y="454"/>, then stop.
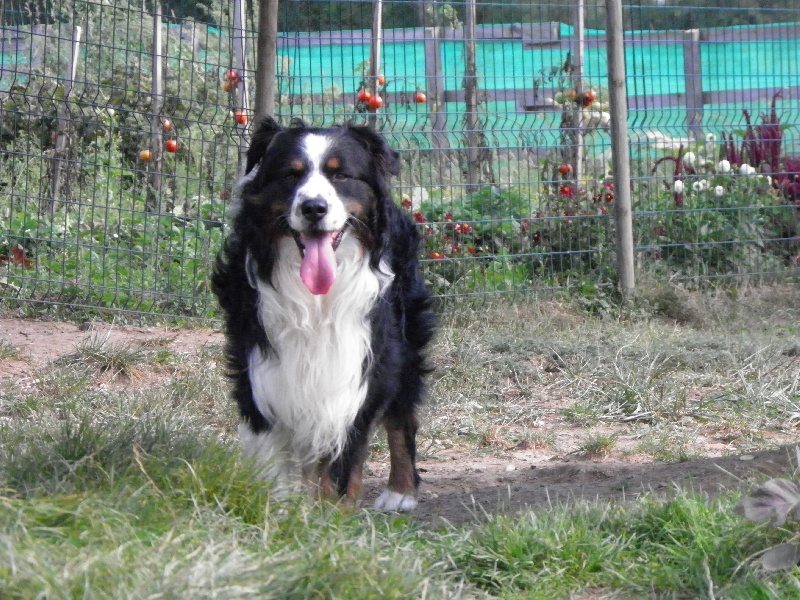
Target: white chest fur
<point x="312" y="385"/>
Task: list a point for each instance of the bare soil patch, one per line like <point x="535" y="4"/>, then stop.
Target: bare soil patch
<point x="460" y="483"/>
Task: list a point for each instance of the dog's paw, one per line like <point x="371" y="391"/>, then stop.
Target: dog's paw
<point x="395" y="501"/>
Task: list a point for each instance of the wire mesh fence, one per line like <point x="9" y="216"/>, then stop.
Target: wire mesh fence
<point x="121" y="131"/>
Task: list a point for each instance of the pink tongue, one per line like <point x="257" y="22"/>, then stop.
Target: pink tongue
<point x="318" y="270"/>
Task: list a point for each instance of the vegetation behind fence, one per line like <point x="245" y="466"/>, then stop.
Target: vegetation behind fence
<point x="113" y="191"/>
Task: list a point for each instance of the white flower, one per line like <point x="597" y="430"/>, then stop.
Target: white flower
<point x="696" y="186"/>
<point x="718" y="191"/>
<point x="689" y="159"/>
<point x="723" y="166"/>
<point x="677" y="187"/>
<point x="710" y="137"/>
<point x="747" y="170"/>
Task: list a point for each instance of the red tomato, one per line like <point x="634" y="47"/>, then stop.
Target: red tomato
<point x="240" y="117"/>
<point x="232" y="75"/>
<point x="375" y="102"/>
<point x="420" y="98"/>
<point x="171" y="146"/>
<point x="363" y="95"/>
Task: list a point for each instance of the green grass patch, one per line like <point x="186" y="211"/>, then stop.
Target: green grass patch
<point x="122" y="492"/>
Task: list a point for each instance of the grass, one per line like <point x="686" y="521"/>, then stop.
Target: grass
<point x="137" y="491"/>
<point x="105" y="357"/>
<point x="7" y="350"/>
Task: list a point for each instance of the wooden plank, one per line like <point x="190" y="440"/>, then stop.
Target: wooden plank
<point x="63" y="115"/>
<point x="621" y="163"/>
<point x="374" y="70"/>
<point x="242" y="95"/>
<point x="541" y="101"/>
<point x="752" y="34"/>
<point x="266" y="59"/>
<point x="434" y="84"/>
<point x="471" y="98"/>
<point x="537" y="34"/>
<point x="693" y="76"/>
<point x="155" y="167"/>
<point x="528" y="33"/>
<point x="752" y="97"/>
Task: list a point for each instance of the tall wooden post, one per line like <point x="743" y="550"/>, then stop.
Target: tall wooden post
<point x="577" y="78"/>
<point x="63" y="119"/>
<point x="434" y="88"/>
<point x="572" y="133"/>
<point x="619" y="146"/>
<point x="692" y="72"/>
<point x="471" y="100"/>
<point x="241" y="96"/>
<point x="156" y="164"/>
<point x="376" y="42"/>
<point x="266" y="58"/>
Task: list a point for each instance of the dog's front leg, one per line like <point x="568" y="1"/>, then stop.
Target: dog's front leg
<point x="318" y="481"/>
<point x="401" y="493"/>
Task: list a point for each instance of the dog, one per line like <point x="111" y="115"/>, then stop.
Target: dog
<point x="327" y="317"/>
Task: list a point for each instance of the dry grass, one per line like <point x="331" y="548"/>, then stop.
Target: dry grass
<point x="132" y="486"/>
<point x="683" y="366"/>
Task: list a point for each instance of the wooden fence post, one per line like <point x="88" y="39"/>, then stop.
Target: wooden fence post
<point x="156" y="164"/>
<point x="434" y="86"/>
<point x="471" y="101"/>
<point x="692" y="72"/>
<point x="63" y="120"/>
<point x="572" y="133"/>
<point x="266" y="58"/>
<point x="621" y="163"/>
<point x="242" y="98"/>
<point x="376" y="41"/>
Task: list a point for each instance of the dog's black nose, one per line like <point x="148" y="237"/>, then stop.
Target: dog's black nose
<point x="314" y="209"/>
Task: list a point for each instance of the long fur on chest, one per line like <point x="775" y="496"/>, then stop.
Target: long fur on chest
<point x="313" y="380"/>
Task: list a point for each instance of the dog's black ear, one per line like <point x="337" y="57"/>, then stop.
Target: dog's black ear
<point x="379" y="148"/>
<point x="264" y="132"/>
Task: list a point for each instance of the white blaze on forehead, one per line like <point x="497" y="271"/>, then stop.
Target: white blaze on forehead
<point x="315" y="146"/>
<point x="316" y="185"/>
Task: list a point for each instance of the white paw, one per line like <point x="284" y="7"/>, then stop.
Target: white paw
<point x="395" y="501"/>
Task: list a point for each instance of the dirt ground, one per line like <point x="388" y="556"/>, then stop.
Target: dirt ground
<point x="459" y="484"/>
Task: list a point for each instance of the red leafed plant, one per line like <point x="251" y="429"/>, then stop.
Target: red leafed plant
<point x="761" y="143"/>
<point x="17" y="256"/>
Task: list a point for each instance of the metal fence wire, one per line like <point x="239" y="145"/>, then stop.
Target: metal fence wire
<point x="121" y="131"/>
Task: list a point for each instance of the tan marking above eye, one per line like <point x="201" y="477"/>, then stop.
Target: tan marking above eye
<point x="297" y="165"/>
<point x="333" y="163"/>
<point x="355" y="208"/>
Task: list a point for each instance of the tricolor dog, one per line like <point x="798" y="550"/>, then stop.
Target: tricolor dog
<point x="326" y="314"/>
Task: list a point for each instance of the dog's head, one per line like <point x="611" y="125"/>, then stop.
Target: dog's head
<point x="319" y="185"/>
